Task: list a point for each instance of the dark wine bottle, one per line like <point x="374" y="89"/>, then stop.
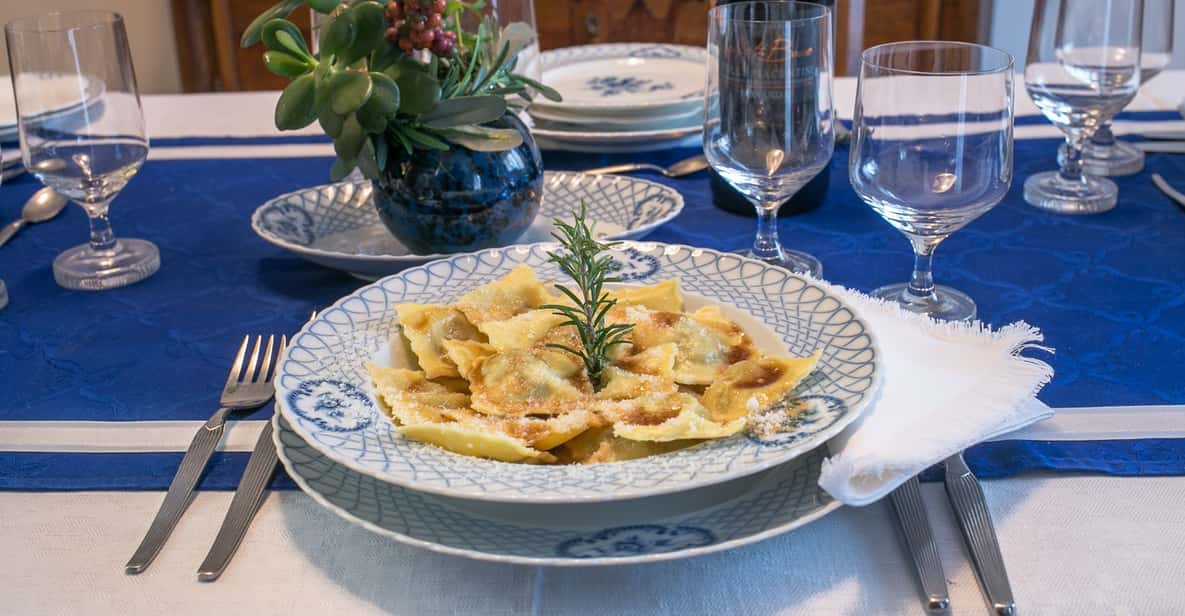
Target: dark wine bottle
<point x="811" y="196"/>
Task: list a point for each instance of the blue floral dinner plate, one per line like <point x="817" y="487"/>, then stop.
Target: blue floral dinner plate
<point x="325" y="390"/>
<point x="625" y="78"/>
<point x="646" y="530"/>
<point x="336" y="225"/>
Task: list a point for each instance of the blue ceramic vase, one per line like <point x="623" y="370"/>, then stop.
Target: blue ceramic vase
<point x="461" y="200"/>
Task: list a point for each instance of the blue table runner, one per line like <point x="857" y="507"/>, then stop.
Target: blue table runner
<point x="1108" y="291"/>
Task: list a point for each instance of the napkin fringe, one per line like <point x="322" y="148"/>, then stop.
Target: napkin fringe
<point x="1015" y="378"/>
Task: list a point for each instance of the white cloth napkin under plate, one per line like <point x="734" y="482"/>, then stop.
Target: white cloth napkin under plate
<point x="946" y="386"/>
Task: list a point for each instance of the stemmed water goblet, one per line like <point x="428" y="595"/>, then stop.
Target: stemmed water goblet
<point x="931" y="151"/>
<point x="1105" y="155"/>
<point x="1083" y="67"/>
<point x="768" y="118"/>
<point x="91" y="147"/>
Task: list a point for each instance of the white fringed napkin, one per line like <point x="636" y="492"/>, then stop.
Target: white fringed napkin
<point x="946" y="386"/>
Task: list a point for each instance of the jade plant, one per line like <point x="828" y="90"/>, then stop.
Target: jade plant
<point x="403" y="74"/>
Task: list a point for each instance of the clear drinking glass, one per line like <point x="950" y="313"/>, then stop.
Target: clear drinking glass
<point x="931" y="151"/>
<point x="768" y="119"/>
<point x="1104" y="155"/>
<point x="91" y="146"/>
<point x="1083" y="68"/>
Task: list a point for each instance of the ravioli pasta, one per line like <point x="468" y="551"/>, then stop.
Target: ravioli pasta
<point x="491" y="382"/>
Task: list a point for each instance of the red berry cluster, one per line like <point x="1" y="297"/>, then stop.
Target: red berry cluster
<point x="419" y="24"/>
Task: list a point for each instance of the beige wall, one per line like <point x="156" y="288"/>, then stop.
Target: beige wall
<point x="150" y="30"/>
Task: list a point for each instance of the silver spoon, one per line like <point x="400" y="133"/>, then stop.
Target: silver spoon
<point x="684" y="167"/>
<point x="42" y="206"/>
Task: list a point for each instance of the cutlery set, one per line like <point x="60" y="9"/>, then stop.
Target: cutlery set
<point x="246" y="389"/>
<point x="975" y="522"/>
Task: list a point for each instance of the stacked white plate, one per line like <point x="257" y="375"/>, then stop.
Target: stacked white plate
<point x="621" y="97"/>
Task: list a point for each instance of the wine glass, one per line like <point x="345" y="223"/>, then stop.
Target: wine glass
<point x="82" y="132"/>
<point x="1083" y="68"/>
<point x="1104" y="155"/>
<point x="768" y="118"/>
<point x="932" y="151"/>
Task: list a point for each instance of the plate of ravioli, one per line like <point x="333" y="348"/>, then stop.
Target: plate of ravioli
<point x="462" y="377"/>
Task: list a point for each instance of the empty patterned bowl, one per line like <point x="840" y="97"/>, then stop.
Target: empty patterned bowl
<point x="323" y="389"/>
<point x="337" y="226"/>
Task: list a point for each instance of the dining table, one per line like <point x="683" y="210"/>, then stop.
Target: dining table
<point x="102" y="391"/>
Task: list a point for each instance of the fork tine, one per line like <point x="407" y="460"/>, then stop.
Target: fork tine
<point x="236" y="368"/>
<point x="267" y="360"/>
<point x="279" y="352"/>
<point x="250" y="374"/>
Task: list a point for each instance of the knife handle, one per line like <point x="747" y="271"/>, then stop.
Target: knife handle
<point x="975" y="522"/>
<point x="247" y="499"/>
<point x="914" y="524"/>
<point x="180" y="491"/>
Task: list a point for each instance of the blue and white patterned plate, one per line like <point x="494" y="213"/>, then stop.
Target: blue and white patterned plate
<point x="646" y="530"/>
<point x="325" y="390"/>
<point x="337" y="226"/>
<point x="633" y="78"/>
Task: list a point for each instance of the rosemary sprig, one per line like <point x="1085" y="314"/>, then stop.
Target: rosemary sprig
<point x="586" y="264"/>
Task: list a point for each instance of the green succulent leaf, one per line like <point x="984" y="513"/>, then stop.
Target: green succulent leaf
<point x="367" y="161"/>
<point x="381" y="150"/>
<point x="370" y="22"/>
<point x="423" y="139"/>
<point x="349" y="142"/>
<point x="384" y="97"/>
<point x="340" y="169"/>
<point x="348" y="90"/>
<point x="547" y="92"/>
<point x="284" y="65"/>
<point x="254" y="30"/>
<point x="283" y="35"/>
<point x="419" y="92"/>
<point x="323" y="6"/>
<point x="385" y="57"/>
<point x="515" y="37"/>
<point x="338" y="34"/>
<point x="296" y="108"/>
<point x="372" y="122"/>
<point x="483" y="138"/>
<point x="464" y="110"/>
<point x="330" y="122"/>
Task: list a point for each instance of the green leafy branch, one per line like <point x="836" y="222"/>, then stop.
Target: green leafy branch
<point x="369" y="96"/>
<point x="586" y="263"/>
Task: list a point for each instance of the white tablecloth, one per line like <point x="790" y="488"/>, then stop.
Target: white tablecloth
<point x="1073" y="545"/>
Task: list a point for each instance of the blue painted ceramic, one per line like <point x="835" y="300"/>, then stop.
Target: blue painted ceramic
<point x="459" y="200"/>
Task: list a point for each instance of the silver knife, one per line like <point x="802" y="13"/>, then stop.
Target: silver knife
<point x="247" y="500"/>
<point x="971" y="512"/>
<point x="915" y="530"/>
<point x="1161" y="147"/>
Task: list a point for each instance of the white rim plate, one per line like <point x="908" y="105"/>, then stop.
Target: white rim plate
<point x="630" y="77"/>
<point x="781" y="500"/>
<point x="59" y="95"/>
<point x="693" y="141"/>
<point x="325" y="390"/>
<point x="623" y="121"/>
<point x="618" y="137"/>
<point x="336" y="225"/>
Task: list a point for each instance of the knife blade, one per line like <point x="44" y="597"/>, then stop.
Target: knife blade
<point x="247" y="499"/>
<point x="915" y="529"/>
<point x="975" y="522"/>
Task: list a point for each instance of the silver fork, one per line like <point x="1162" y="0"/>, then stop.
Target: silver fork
<point x="247" y="499"/>
<point x="244" y="390"/>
